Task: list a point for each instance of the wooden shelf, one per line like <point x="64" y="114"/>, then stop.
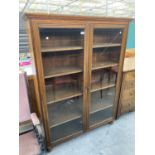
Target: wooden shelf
<point x="73" y="48"/>
<point x="61" y="94"/>
<point x="101" y="115"/>
<point x="64" y="112"/>
<point x="60" y="49"/>
<point x="105" y="121"/>
<point x="98" y="86"/>
<point x="64" y="119"/>
<point x="68" y="129"/>
<point x="106" y="45"/>
<point x="98" y="104"/>
<point x="57" y="72"/>
<point x="101" y="65"/>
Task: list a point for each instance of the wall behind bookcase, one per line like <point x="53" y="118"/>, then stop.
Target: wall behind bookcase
<point x="131" y="35"/>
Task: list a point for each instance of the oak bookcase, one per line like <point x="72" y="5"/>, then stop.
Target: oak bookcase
<point x="78" y="65"/>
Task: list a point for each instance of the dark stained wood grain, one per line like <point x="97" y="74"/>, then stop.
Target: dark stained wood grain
<point x="127" y="93"/>
<point x="69" y="54"/>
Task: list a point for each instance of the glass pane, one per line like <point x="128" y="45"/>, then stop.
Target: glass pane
<point x="56" y="39"/>
<point x="65" y="117"/>
<point x="101" y="115"/>
<point x="103" y="78"/>
<point x="100" y="101"/>
<point x="105" y="60"/>
<point x="64" y="87"/>
<point x="105" y="57"/>
<point x="62" y="63"/>
<point x="66" y="129"/>
<point x="107" y="36"/>
<point x="106" y="47"/>
<point x="62" y="56"/>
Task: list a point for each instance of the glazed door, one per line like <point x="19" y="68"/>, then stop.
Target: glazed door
<point x="63" y="58"/>
<point x="105" y="58"/>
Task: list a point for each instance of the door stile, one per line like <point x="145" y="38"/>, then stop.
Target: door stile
<point x="90" y="40"/>
<point x="120" y="68"/>
<point x="41" y="83"/>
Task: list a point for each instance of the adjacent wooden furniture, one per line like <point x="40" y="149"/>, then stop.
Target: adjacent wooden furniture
<point x="25" y="123"/>
<point x="30" y="142"/>
<point x="78" y="62"/>
<point x="127" y="93"/>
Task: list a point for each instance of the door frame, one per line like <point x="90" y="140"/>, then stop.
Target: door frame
<point x="35" y="25"/>
<point x="108" y="25"/>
